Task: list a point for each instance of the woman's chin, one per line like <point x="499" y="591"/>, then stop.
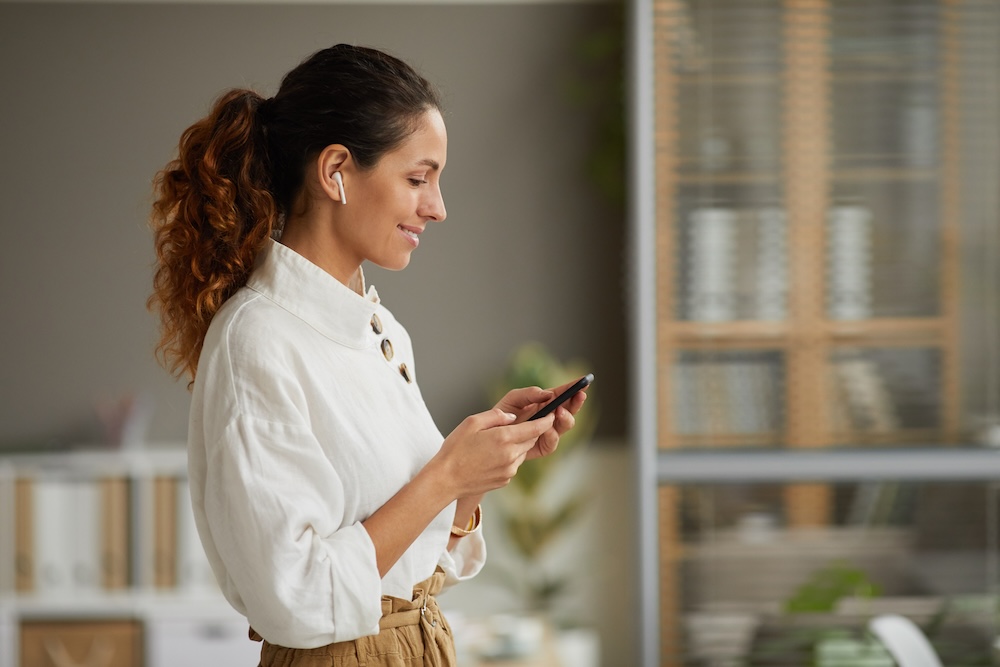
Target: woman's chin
<point x="396" y="263"/>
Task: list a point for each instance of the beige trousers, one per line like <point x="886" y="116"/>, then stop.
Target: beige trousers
<point x="412" y="633"/>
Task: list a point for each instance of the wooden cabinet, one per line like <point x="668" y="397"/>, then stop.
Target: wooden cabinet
<point x="824" y="221"/>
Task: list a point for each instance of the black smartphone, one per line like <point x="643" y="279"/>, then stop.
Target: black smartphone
<point x="563" y="397"/>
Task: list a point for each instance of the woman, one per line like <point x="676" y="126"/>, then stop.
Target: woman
<point x="331" y="508"/>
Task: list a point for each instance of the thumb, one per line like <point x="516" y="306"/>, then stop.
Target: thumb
<point x="496" y="417"/>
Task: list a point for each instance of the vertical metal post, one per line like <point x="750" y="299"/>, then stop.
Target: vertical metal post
<point x="642" y="345"/>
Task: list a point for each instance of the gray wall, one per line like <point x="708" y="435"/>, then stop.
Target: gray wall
<point x="95" y="96"/>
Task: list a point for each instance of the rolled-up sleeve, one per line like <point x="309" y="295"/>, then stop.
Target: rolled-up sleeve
<point x="465" y="560"/>
<point x="275" y="508"/>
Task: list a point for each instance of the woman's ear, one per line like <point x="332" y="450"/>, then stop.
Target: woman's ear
<point x="330" y="166"/>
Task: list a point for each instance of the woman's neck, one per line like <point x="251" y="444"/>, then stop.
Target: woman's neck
<point x="307" y="239"/>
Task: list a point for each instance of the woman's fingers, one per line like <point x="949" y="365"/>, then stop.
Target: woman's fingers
<point x="527" y="401"/>
<point x="486" y="449"/>
<point x="565" y="419"/>
<point x="516" y="400"/>
<point x="493" y="418"/>
<point x="525" y="433"/>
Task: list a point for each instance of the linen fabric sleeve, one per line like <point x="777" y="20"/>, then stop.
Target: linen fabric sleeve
<point x="464" y="561"/>
<point x="274" y="505"/>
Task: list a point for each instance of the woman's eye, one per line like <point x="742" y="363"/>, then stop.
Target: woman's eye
<point x="415" y="182"/>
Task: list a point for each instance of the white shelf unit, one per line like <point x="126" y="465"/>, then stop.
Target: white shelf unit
<point x="171" y="598"/>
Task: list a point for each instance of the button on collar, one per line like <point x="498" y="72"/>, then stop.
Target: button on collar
<point x="376" y="324"/>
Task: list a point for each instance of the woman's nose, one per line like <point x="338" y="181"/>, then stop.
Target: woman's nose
<point x="433" y="208"/>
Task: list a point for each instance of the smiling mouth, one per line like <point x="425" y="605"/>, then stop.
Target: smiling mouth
<point x="412" y="234"/>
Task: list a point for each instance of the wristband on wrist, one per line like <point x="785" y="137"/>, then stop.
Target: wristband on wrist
<point x="474" y="523"/>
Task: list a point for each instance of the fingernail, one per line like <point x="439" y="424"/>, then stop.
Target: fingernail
<point x="510" y="415"/>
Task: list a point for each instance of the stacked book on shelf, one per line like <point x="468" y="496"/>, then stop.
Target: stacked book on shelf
<point x="69" y="531"/>
<point x="849" y="263"/>
<point x="73" y="535"/>
<point x="730" y="394"/>
<point x="734" y="394"/>
<point x="860" y="397"/>
<point x="737" y="265"/>
<point x="193" y="570"/>
<point x="735" y="268"/>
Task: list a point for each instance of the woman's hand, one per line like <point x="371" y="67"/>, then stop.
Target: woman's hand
<point x="484" y="451"/>
<point x="529" y="400"/>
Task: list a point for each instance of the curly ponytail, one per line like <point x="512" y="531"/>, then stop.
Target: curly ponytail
<point x="212" y="215"/>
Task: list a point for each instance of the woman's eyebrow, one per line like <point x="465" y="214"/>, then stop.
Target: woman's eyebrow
<point x="433" y="164"/>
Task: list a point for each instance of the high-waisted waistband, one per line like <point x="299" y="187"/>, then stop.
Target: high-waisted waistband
<point x="397" y="612"/>
<point x="409" y="630"/>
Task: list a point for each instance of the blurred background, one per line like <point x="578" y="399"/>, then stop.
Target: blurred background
<point x="769" y="227"/>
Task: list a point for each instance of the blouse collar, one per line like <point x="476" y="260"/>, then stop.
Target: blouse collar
<point x="310" y="293"/>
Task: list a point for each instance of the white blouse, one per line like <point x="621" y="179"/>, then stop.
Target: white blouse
<point x="303" y="424"/>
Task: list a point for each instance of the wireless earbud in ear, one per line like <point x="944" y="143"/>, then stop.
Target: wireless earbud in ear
<point x="340" y="185"/>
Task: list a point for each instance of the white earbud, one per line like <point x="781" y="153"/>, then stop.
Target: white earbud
<point x="340" y="184"/>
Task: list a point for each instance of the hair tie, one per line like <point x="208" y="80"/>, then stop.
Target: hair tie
<point x="265" y="109"/>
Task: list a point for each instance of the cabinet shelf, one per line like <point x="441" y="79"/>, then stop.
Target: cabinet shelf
<point x="701" y="78"/>
<point x="864" y="175"/>
<point x="705" y="77"/>
<point x="883" y="174"/>
<point x="771" y="335"/>
<point x="913" y="462"/>
<point x="725" y="441"/>
<point x="775" y="441"/>
<point x="726" y="177"/>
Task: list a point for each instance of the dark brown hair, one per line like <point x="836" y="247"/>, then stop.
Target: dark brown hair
<point x="239" y="169"/>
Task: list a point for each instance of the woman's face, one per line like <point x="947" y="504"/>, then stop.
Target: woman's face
<point x="389" y="206"/>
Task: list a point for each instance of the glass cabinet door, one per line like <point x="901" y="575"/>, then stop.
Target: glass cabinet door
<point x="824" y="172"/>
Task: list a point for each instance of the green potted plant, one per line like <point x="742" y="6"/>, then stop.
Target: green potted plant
<point x="532" y="520"/>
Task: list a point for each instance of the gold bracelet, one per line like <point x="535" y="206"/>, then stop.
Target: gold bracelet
<point x="474" y="523"/>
